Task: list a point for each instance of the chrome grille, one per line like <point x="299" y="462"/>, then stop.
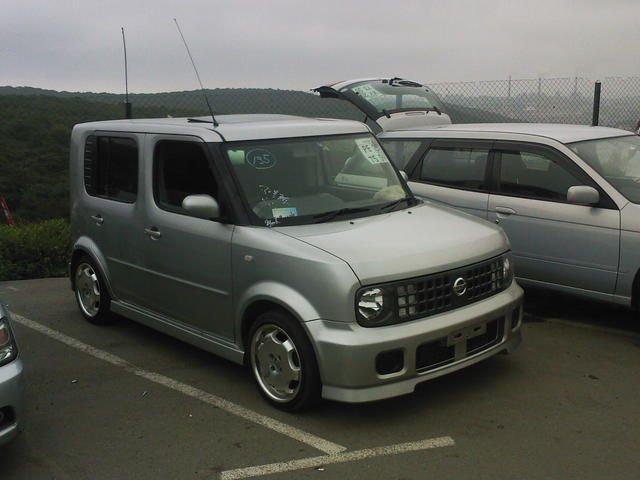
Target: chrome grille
<point x="484" y="279"/>
<point x="432" y="294"/>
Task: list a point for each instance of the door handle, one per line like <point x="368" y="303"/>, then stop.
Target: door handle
<point x="505" y="210"/>
<point x="153" y="233"/>
<point x="98" y="219"/>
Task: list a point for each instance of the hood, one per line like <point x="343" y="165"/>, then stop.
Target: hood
<point x="407" y="243"/>
<point x="630" y="217"/>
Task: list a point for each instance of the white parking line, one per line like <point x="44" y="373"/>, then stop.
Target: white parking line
<point x="230" y="407"/>
<point x="336" y="458"/>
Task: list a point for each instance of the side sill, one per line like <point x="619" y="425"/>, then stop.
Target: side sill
<point x="197" y="338"/>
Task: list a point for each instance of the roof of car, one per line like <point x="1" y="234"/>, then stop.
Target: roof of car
<point x="560" y="132"/>
<point x="236" y="127"/>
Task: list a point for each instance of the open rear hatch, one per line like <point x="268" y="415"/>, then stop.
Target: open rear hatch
<point x="391" y="103"/>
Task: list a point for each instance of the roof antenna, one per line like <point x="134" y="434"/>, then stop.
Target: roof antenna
<point x="127" y="104"/>
<point x="204" y="94"/>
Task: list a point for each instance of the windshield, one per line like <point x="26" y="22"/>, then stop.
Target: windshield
<point x="617" y="160"/>
<point x="301" y="181"/>
<point x="385" y="96"/>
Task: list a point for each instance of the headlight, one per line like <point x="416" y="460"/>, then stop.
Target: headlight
<point x="376" y="306"/>
<point x="507" y="270"/>
<point x="8" y="349"/>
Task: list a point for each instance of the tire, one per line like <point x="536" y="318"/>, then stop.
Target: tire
<point x="282" y="362"/>
<point x="91" y="293"/>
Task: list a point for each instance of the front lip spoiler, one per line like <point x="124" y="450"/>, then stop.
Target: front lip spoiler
<point x="404" y="387"/>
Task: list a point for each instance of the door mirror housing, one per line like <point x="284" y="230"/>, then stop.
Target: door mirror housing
<point x="583" y="195"/>
<point x="404" y="175"/>
<point x="202" y="206"/>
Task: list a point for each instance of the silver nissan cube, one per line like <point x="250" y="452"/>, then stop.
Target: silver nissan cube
<point x="290" y="244"/>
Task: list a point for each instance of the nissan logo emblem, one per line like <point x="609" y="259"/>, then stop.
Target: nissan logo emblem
<point x="460" y="287"/>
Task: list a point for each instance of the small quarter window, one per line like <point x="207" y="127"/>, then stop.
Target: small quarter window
<point x="181" y="169"/>
<point x="401" y="151"/>
<point x="456" y="167"/>
<point x="111" y="168"/>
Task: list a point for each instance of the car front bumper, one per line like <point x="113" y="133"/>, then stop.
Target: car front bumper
<point x="431" y="347"/>
<point x="10" y="399"/>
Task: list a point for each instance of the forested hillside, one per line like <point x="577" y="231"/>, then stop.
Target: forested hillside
<point x="36" y="125"/>
<point x="34" y="150"/>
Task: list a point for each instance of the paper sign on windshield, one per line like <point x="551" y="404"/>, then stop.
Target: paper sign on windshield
<point x="284" y="212"/>
<point x="366" y="91"/>
<point x="371" y="151"/>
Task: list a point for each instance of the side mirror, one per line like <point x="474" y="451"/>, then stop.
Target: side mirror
<point x="583" y="195"/>
<point x="201" y="206"/>
<point x="404" y="175"/>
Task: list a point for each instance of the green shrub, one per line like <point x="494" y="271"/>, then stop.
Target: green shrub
<point x="34" y="250"/>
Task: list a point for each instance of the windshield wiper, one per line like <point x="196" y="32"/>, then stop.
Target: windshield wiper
<point x="394" y="203"/>
<point x="327" y="216"/>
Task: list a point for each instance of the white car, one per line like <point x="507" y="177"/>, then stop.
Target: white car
<point x="390" y="103"/>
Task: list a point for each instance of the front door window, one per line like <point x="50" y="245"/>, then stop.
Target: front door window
<point x="533" y="175"/>
<point x="457" y="167"/>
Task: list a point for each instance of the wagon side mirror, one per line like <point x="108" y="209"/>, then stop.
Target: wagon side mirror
<point x="583" y="195"/>
<point x="201" y="206"/>
<point x="404" y="175"/>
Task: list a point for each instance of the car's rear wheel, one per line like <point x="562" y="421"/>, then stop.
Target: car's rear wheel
<point x="283" y="362"/>
<point x="91" y="294"/>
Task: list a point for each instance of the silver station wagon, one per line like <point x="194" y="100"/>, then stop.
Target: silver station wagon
<point x="290" y="244"/>
<point x="568" y="196"/>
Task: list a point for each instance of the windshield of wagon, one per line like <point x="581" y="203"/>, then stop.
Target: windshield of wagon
<point x="385" y="96"/>
<point x="617" y="160"/>
<point x="315" y="180"/>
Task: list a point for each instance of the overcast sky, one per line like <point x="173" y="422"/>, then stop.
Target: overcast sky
<point x="77" y="45"/>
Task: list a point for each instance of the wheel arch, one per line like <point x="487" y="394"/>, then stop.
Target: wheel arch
<point x="253" y="311"/>
<point x="272" y="296"/>
<point x="85" y="247"/>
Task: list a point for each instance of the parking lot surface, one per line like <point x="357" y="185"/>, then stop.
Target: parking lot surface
<point x="124" y="401"/>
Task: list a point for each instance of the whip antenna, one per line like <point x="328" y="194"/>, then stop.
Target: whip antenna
<point x="204" y="94"/>
<point x="127" y="105"/>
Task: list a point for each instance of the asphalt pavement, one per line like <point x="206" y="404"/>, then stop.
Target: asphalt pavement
<point x="126" y="402"/>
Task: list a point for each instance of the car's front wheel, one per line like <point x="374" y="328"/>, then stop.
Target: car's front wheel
<point x="283" y="362"/>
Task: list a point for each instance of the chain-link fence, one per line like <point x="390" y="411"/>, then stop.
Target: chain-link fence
<point x="541" y="100"/>
<point x="548" y="100"/>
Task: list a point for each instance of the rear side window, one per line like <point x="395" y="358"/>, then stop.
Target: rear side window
<point x="181" y="169"/>
<point x="532" y="175"/>
<point x="401" y="151"/>
<point x="456" y="167"/>
<point x="111" y="168"/>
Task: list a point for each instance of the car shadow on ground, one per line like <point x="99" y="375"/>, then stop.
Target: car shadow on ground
<point x="540" y="305"/>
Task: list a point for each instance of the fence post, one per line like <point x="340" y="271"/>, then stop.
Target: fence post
<point x="127" y="110"/>
<point x="596" y="104"/>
